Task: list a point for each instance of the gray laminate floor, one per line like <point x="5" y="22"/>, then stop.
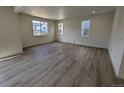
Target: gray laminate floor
<point x="59" y="64"/>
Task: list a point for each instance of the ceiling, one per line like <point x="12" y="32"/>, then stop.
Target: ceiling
<point x="62" y="12"/>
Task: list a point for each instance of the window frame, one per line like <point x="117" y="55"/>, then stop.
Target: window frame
<point x="82" y="30"/>
<point x="41" y="33"/>
<point x="62" y="32"/>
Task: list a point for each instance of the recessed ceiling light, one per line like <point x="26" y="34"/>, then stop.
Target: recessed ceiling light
<point x="93" y="12"/>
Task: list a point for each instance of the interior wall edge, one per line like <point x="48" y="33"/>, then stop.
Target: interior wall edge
<point x="115" y="72"/>
<point x="116" y="45"/>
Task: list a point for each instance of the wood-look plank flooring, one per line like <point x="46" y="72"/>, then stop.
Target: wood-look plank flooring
<point x="59" y="65"/>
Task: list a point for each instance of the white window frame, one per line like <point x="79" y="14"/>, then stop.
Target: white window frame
<point x="60" y="28"/>
<point x="41" y="32"/>
<point x="82" y="27"/>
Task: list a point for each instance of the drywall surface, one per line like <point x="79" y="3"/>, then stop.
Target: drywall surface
<point x="116" y="46"/>
<point x="99" y="34"/>
<point x="121" y="72"/>
<point x="10" y="41"/>
<point x="25" y="22"/>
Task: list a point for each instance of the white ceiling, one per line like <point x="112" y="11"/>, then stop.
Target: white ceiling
<point x="63" y="12"/>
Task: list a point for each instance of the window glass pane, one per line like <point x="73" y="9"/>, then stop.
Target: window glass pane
<point x="85" y="27"/>
<point x="44" y="27"/>
<point x="39" y="28"/>
<point x="36" y="28"/>
<point x="60" y="28"/>
<point x="36" y="22"/>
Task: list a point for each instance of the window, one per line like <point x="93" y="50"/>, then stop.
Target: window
<point x="60" y="28"/>
<point x="85" y="28"/>
<point x="39" y="28"/>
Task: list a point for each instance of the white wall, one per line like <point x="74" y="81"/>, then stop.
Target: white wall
<point x="116" y="46"/>
<point x="10" y="42"/>
<point x="121" y="72"/>
<point x="28" y="39"/>
<point x="99" y="34"/>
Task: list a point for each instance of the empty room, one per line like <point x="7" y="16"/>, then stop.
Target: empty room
<point x="61" y="46"/>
